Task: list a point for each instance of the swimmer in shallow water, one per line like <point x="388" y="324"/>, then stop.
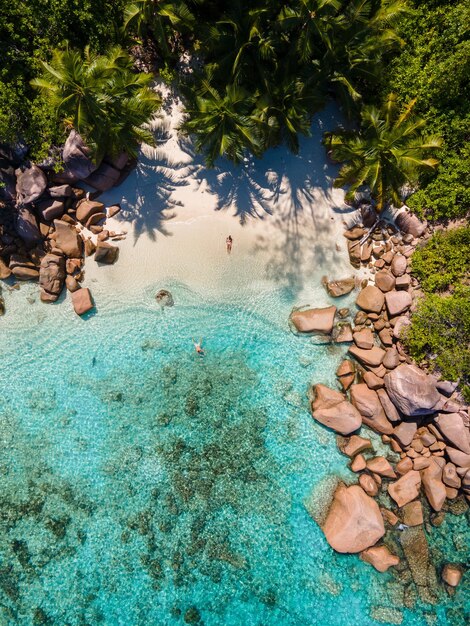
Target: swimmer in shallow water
<point x="198" y="347"/>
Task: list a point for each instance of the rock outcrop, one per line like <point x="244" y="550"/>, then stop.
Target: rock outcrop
<point x="76" y="157"/>
<point x="314" y="320"/>
<point x="164" y="298"/>
<point x="331" y="409"/>
<point x="51" y="277"/>
<point x="412" y="391"/>
<point x="452" y="574"/>
<point x="337" y="288"/>
<point x="379" y="557"/>
<point x="406" y="488"/>
<point x="31" y="183"/>
<point x="369" y="406"/>
<point x="454" y="430"/>
<point x="354" y="522"/>
<point x="409" y="223"/>
<point x="82" y="301"/>
<point x="370" y="299"/>
<point x="26" y="226"/>
<point x="67" y="239"/>
<point x="106" y="253"/>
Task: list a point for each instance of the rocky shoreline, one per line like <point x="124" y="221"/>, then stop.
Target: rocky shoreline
<point x="49" y="225"/>
<point x="422" y="420"/>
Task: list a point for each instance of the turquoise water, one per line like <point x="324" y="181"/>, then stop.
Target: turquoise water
<point x="141" y="484"/>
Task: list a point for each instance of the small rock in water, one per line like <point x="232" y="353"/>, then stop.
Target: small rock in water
<point x="164" y="298"/>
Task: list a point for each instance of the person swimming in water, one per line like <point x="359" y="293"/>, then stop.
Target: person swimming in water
<point x="228" y="243"/>
<point x="198" y="347"/>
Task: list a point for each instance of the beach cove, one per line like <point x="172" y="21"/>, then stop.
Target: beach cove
<point x="146" y="485"/>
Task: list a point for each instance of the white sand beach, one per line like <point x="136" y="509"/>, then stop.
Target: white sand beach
<point x="282" y="212"/>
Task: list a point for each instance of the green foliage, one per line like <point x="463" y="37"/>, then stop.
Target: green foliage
<point x="29" y="31"/>
<point x="448" y="194"/>
<point x="387" y="151"/>
<point x="163" y="21"/>
<point x="101" y="98"/>
<point x="434" y="67"/>
<point x="222" y="124"/>
<point x="444" y="261"/>
<point x="440" y="335"/>
<point x="290" y="57"/>
<point x="440" y="330"/>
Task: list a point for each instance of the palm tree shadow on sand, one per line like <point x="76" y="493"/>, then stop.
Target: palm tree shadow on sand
<point x="146" y="197"/>
<point x="296" y="191"/>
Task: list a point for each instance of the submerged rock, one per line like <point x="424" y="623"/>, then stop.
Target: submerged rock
<point x="379" y="557"/>
<point x="354" y="522"/>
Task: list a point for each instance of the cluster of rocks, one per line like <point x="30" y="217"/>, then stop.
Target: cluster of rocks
<point x="420" y="417"/>
<point x="48" y="224"/>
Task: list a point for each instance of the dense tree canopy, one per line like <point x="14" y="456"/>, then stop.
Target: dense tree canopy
<point x="440" y="330"/>
<point x="29" y="32"/>
<point x="101" y="98"/>
<point x="387" y="151"/>
<point x="434" y="68"/>
<point x="286" y="58"/>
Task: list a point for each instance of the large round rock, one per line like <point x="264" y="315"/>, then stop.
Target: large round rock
<point x="412" y="391"/>
<point x="353" y="522"/>
<point x="370" y="299"/>
<point x="314" y="320"/>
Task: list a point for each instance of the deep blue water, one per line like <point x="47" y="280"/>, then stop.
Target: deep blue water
<point x="141" y="484"/>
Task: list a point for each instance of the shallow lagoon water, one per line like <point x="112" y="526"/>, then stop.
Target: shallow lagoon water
<point x="141" y="484"/>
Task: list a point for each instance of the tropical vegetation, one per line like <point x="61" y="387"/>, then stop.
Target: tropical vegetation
<point x="434" y="68"/>
<point x="101" y="98"/>
<point x="386" y="152"/>
<point x="440" y="331"/>
<point x="29" y="32"/>
<point x="253" y="76"/>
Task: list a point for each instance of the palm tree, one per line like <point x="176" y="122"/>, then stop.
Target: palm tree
<point x="222" y="124"/>
<point x="360" y="34"/>
<point x="101" y="98"/>
<point x="160" y="19"/>
<point x="388" y="151"/>
<point x="286" y="107"/>
<point x="309" y="23"/>
<point x="242" y="48"/>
